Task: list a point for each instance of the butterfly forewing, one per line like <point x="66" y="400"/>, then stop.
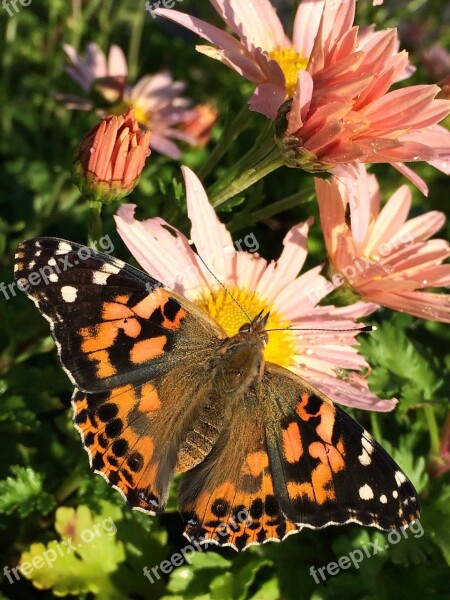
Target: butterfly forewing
<point x="113" y="324"/>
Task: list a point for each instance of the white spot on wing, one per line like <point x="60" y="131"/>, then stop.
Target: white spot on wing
<point x="395" y="494"/>
<point x="109" y="268"/>
<point x="100" y="278"/>
<point x="69" y="293"/>
<point x="63" y="248"/>
<point x="52" y="262"/>
<point x="399" y="478"/>
<point x="367" y="449"/>
<point x="53" y="277"/>
<point x="366" y="492"/>
<point x="383" y="499"/>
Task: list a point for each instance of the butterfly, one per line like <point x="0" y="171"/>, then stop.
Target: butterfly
<point x="161" y="389"/>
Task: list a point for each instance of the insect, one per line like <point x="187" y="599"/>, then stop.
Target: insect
<point x="161" y="389"/>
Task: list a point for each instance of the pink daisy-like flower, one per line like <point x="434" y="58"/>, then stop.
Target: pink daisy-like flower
<point x="381" y="255"/>
<point x="156" y="99"/>
<point x="320" y="358"/>
<point x="336" y="82"/>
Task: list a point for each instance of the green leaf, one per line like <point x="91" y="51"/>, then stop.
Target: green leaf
<point x="403" y="362"/>
<point x="23" y="493"/>
<point x="84" y="557"/>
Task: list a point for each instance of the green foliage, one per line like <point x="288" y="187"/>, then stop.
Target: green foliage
<point x="23" y="493"/>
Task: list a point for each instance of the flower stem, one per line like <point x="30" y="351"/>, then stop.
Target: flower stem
<point x="275" y="208"/>
<point x="433" y="430"/>
<point x="272" y="161"/>
<point x="135" y="42"/>
<point x="95" y="223"/>
<point x="231" y="131"/>
<point x="376" y="428"/>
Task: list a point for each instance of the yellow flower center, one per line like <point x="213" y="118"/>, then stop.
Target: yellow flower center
<point x="290" y="61"/>
<point x="141" y="115"/>
<point x="280" y="348"/>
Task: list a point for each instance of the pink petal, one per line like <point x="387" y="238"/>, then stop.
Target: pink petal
<point x="299" y="297"/>
<point x="255" y="22"/>
<point x="301" y="102"/>
<point x="353" y="393"/>
<point x="234" y="48"/>
<point x="267" y="99"/>
<point x="160" y="250"/>
<point x="163" y="145"/>
<point x="211" y="238"/>
<point x="117" y="63"/>
<point x="282" y="272"/>
<point x="306" y="25"/>
<point x="425" y="305"/>
<point x="332" y="213"/>
<point x="241" y="63"/>
<point x="435" y="276"/>
<point x="412" y="176"/>
<point x="390" y="219"/>
<point x="420" y="228"/>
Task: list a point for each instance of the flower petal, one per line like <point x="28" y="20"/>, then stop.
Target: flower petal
<point x="160" y="250"/>
<point x="255" y="22"/>
<point x="282" y="272"/>
<point x="211" y="238"/>
<point x="390" y="219"/>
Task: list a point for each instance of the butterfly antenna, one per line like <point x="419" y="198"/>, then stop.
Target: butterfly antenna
<point x="363" y="329"/>
<point x="192" y="245"/>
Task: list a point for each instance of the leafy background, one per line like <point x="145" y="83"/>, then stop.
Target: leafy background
<point x="46" y="490"/>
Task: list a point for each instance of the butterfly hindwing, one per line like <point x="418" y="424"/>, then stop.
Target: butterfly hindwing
<point x="327" y="469"/>
<point x="230" y="499"/>
<point x="288" y="459"/>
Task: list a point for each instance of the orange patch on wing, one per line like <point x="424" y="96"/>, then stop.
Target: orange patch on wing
<point x="256" y="463"/>
<point x="104" y="366"/>
<point x="297" y="490"/>
<point x="148" y="349"/>
<point x="322" y="482"/>
<point x="175" y="324"/>
<point x="98" y="337"/>
<point x="150" y="400"/>
<point x="146" y="307"/>
<point x="292" y="443"/>
<point x="325" y="427"/>
<point x="322" y="476"/>
<point x="301" y="407"/>
<point x="122" y="299"/>
<point x="115" y="310"/>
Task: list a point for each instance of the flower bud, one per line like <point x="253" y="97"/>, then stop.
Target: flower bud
<point x="111" y="158"/>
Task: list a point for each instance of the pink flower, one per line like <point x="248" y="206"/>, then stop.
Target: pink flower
<point x="320" y="358"/>
<point x="336" y="82"/>
<point x="156" y="99"/>
<point x="379" y="254"/>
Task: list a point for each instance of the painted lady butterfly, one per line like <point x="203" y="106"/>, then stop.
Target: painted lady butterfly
<point x="160" y="389"/>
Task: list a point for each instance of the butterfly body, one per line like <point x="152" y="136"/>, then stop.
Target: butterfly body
<point x="161" y="389"/>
